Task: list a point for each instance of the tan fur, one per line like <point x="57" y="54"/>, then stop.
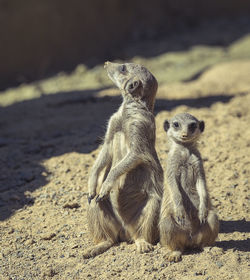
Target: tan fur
<point x="187" y="219"/>
<point x="127" y="175"/>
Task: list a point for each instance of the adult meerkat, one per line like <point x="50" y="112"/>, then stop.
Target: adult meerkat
<point x="127" y="175"/>
<point x="187" y="219"/>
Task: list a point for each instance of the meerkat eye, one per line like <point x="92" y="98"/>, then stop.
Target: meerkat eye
<point x="192" y="127"/>
<point x="176" y="124"/>
<point x="123" y="68"/>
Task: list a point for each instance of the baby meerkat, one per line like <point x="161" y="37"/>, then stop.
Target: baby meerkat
<point x="187" y="219"/>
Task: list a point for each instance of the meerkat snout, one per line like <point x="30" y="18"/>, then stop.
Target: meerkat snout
<point x="106" y="64"/>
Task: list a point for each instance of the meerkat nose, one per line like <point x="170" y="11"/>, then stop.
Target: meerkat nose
<point x="106" y="64"/>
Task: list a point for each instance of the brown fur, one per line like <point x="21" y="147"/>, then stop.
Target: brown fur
<point x="187" y="219"/>
<point x="127" y="175"/>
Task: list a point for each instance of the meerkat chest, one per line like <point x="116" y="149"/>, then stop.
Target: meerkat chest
<point x="119" y="147"/>
<point x="184" y="165"/>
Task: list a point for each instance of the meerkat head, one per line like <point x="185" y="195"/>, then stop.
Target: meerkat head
<point x="184" y="128"/>
<point x="134" y="80"/>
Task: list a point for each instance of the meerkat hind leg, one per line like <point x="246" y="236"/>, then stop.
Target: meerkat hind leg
<point x="103" y="226"/>
<point x="174" y="256"/>
<point x="208" y="231"/>
<point x="147" y="232"/>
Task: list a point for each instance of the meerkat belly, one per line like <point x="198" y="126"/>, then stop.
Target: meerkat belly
<point x="133" y="196"/>
<point x="119" y="150"/>
<point x="128" y="198"/>
<point x="188" y="183"/>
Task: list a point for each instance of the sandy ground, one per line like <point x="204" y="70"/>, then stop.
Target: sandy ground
<point x="49" y="142"/>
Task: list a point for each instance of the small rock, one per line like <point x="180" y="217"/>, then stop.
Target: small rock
<point x="50" y="272"/>
<point x="207" y="249"/>
<point x="202" y="272"/>
<point x="11" y="231"/>
<point x="71" y="205"/>
<point x="19" y="254"/>
<point x="217" y="250"/>
<point x="53" y="196"/>
<point x="48" y="236"/>
<point x="29" y="242"/>
<point x="219" y="264"/>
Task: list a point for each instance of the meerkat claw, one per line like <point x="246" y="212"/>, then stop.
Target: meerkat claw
<point x="90" y="198"/>
<point x="100" y="198"/>
<point x="97" y="199"/>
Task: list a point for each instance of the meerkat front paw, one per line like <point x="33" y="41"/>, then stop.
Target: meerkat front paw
<point x="91" y="196"/>
<point x="203" y="214"/>
<point x="180" y="215"/>
<point x="104" y="192"/>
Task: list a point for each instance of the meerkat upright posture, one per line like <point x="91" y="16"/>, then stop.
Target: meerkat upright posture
<point x="126" y="182"/>
<point x="187" y="219"/>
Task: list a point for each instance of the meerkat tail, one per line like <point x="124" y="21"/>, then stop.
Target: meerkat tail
<point x="98" y="249"/>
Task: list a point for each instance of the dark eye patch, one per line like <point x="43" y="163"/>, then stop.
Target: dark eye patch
<point x="192" y="127"/>
<point x="176" y="125"/>
<point x="123" y="68"/>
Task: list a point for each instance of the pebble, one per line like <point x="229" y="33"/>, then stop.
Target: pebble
<point x="71" y="205"/>
<point x="50" y="272"/>
<point x="217" y="250"/>
<point x="48" y="236"/>
<point x="11" y="231"/>
<point x="29" y="242"/>
<point x="202" y="272"/>
<point x="219" y="264"/>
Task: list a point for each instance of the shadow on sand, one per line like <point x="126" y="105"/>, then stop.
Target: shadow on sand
<point x="235" y="226"/>
<point x="52" y="125"/>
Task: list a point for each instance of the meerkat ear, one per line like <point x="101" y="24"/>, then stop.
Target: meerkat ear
<point x="166" y="125"/>
<point x="133" y="86"/>
<point x="201" y="126"/>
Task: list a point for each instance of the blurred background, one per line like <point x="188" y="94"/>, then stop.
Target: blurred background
<point x="40" y="38"/>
